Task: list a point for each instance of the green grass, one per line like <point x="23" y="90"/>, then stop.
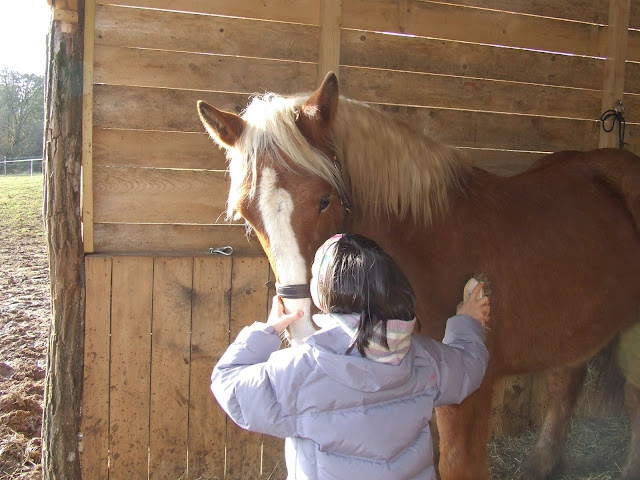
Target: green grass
<point x="21" y="203"/>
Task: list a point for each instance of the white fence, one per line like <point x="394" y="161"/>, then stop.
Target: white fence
<point x="31" y="161"/>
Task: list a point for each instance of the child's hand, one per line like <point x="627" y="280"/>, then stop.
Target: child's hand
<point x="278" y="319"/>
<point x="478" y="309"/>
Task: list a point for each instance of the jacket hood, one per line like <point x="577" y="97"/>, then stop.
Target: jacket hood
<point x="355" y="371"/>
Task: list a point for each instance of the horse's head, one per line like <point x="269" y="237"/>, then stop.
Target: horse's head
<point x="285" y="181"/>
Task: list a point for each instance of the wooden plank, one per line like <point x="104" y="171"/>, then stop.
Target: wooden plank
<point x="141" y="108"/>
<point x="300" y="11"/>
<point x="613" y="86"/>
<point x="273" y="464"/>
<point x="633" y="47"/>
<point x="500" y="131"/>
<point x="329" y="55"/>
<point x="160" y="109"/>
<point x="248" y="304"/>
<point x="95" y="391"/>
<point x="209" y="339"/>
<point x="633" y="138"/>
<point x="632" y="78"/>
<point x="180" y="70"/>
<point x="634" y="18"/>
<point x="419" y="54"/>
<point x="87" y="127"/>
<point x="502" y="162"/>
<point x="145" y="148"/>
<point x="141" y="195"/>
<point x="142" y="28"/>
<point x="405" y="88"/>
<point x="170" y="364"/>
<point x="130" y="366"/>
<point x="167" y="238"/>
<point x="452" y="22"/>
<point x="590" y="11"/>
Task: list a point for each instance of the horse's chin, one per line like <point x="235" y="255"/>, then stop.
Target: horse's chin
<point x="303" y="327"/>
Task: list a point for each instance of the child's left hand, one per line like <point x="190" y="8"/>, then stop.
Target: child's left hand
<point x="280" y="320"/>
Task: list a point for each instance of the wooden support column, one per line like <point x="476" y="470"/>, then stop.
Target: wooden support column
<point x="62" y="159"/>
<point x="613" y="87"/>
<point x="87" y="126"/>
<point x="330" y="23"/>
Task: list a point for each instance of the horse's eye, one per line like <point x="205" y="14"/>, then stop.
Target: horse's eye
<point x="324" y="204"/>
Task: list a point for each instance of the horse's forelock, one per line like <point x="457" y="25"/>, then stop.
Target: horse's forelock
<point x="272" y="132"/>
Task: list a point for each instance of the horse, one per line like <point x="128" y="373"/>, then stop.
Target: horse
<point x="559" y="242"/>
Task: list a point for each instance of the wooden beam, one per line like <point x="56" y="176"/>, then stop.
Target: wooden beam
<point x="330" y="24"/>
<point x="87" y="127"/>
<point x="62" y="159"/>
<point x="613" y="87"/>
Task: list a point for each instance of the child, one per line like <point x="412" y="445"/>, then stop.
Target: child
<point x="354" y="402"/>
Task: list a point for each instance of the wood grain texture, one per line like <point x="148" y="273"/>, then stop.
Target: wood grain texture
<point x="590" y="11"/>
<point x="180" y="70"/>
<point x="453" y="22"/>
<point x="139" y="108"/>
<point x="501" y="131"/>
<point x="170" y="365"/>
<point x="419" y="54"/>
<point x="248" y="304"/>
<point x="209" y="339"/>
<point x="175" y="239"/>
<point x="300" y="11"/>
<point x="141" y="28"/>
<point x="95" y="391"/>
<point x="403" y="88"/>
<point x="148" y="148"/>
<point x="131" y="310"/>
<point x="138" y="195"/>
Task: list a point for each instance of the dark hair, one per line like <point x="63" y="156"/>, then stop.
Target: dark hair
<point x="362" y="278"/>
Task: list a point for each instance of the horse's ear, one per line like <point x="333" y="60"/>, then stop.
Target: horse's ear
<point x="319" y="111"/>
<point x="224" y="127"/>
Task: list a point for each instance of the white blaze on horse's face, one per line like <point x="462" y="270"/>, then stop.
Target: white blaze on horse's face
<point x="276" y="209"/>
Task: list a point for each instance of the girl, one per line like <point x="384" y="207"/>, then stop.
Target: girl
<point x="354" y="402"/>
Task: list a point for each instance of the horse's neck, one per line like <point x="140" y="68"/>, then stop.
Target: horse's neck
<point x="438" y="257"/>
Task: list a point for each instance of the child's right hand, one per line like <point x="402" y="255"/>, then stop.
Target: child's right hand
<point x="478" y="309"/>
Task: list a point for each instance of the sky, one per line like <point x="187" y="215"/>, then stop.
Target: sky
<point x="24" y="25"/>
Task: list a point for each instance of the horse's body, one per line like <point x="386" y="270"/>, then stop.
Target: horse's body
<point x="560" y="244"/>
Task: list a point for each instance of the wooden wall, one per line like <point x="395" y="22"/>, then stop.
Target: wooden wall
<point x="149" y="352"/>
<point x="506" y="80"/>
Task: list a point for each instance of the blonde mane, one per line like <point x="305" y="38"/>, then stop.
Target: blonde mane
<point x="391" y="168"/>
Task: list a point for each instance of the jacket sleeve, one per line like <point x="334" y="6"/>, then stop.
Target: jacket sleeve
<point x="460" y="360"/>
<point x="241" y="382"/>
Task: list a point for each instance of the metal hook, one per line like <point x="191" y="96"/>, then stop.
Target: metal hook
<point x="228" y="250"/>
<point x="619" y="108"/>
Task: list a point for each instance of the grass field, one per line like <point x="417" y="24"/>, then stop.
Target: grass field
<point x="21" y="203"/>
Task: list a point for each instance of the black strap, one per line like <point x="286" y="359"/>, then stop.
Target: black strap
<point x="617" y="116"/>
<point x="301" y="290"/>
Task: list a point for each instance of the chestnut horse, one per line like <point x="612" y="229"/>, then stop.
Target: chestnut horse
<point x="560" y="243"/>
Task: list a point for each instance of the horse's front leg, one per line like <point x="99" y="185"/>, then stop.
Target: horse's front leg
<point x="464" y="434"/>
<point x="563" y="385"/>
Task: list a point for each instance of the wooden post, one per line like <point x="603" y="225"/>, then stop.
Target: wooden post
<point x="330" y="23"/>
<point x="62" y="160"/>
<point x="613" y="86"/>
<point x="87" y="126"/>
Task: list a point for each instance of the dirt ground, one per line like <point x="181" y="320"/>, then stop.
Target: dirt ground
<point x="24" y="326"/>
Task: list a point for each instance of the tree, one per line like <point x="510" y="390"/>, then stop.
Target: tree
<point x="21" y="114"/>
